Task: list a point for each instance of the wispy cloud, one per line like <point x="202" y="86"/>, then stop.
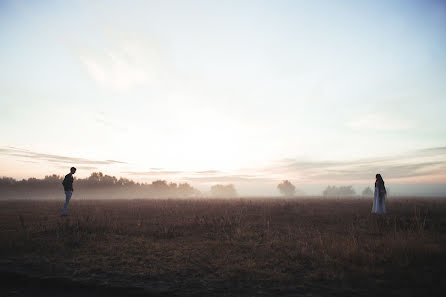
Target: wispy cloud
<point x="154" y="173"/>
<point x="114" y="72"/>
<point x="209" y="172"/>
<point x="103" y="119"/>
<point x="380" y="121"/>
<point x="230" y="178"/>
<point x="419" y="163"/>
<point x="424" y="165"/>
<point x="83" y="168"/>
<point x="433" y="150"/>
<point x="201" y="177"/>
<point x="121" y="67"/>
<point x="27" y="155"/>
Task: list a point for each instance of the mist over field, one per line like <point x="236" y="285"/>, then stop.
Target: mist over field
<point x="103" y="186"/>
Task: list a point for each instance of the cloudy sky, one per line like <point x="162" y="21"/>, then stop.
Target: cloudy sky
<point x="242" y="92"/>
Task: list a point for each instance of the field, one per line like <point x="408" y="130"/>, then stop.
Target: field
<point x="223" y="247"/>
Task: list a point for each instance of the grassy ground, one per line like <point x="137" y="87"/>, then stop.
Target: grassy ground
<point x="224" y="247"/>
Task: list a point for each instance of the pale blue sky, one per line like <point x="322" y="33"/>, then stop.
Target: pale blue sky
<point x="230" y="86"/>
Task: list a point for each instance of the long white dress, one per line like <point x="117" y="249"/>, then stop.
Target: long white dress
<point x="379" y="204"/>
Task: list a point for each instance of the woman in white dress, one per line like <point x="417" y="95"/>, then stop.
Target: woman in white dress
<point x="379" y="200"/>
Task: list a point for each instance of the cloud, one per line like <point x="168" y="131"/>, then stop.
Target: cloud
<point x="419" y="163"/>
<point x="115" y="162"/>
<point x="119" y="68"/>
<point x="208" y="172"/>
<point x="434" y="150"/>
<point x="207" y="176"/>
<point x="102" y="119"/>
<point x="427" y="165"/>
<point x="28" y="155"/>
<point x="153" y="173"/>
<point x="380" y="121"/>
<point x="84" y="168"/>
<point x="228" y="179"/>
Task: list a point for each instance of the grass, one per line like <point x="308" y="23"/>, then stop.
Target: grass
<point x="233" y="246"/>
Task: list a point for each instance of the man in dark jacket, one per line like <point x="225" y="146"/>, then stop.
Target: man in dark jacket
<point x="68" y="188"/>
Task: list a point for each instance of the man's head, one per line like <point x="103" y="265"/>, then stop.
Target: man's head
<point x="73" y="170"/>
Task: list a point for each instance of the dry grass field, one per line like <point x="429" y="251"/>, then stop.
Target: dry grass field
<point x="223" y="247"/>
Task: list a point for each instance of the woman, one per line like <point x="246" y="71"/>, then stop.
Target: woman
<point x="379" y="199"/>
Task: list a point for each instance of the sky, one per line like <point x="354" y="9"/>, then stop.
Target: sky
<point x="241" y="92"/>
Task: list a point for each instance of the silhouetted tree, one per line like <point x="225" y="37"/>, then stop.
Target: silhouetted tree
<point x="52" y="178"/>
<point x="339" y="191"/>
<point x="367" y="192"/>
<point x="160" y="185"/>
<point x="7" y="181"/>
<point x="125" y="181"/>
<point x="185" y="190"/>
<point x="286" y="188"/>
<point x="223" y="191"/>
<point x="173" y="187"/>
<point x="109" y="180"/>
<point x="97" y="180"/>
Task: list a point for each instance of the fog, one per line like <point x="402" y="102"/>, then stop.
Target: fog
<point x="429" y="190"/>
<point x="103" y="186"/>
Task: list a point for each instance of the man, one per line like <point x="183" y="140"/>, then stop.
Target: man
<point x="68" y="188"/>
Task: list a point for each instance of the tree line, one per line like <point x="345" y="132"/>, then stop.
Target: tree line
<point x="98" y="180"/>
<point x="157" y="188"/>
<point x="287" y="189"/>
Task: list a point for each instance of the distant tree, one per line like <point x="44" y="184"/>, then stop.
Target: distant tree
<point x="125" y="181"/>
<point x="52" y="178"/>
<point x="109" y="180"/>
<point x="286" y="188"/>
<point x="159" y="186"/>
<point x="367" y="192"/>
<point x="329" y="190"/>
<point x="7" y="181"/>
<point x="223" y="191"/>
<point x="173" y="187"/>
<point x="185" y="190"/>
<point x="97" y="180"/>
<point x="32" y="181"/>
<point x="339" y="191"/>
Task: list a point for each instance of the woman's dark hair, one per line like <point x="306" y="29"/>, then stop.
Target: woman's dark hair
<point x="380" y="182"/>
<point x="379" y="178"/>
